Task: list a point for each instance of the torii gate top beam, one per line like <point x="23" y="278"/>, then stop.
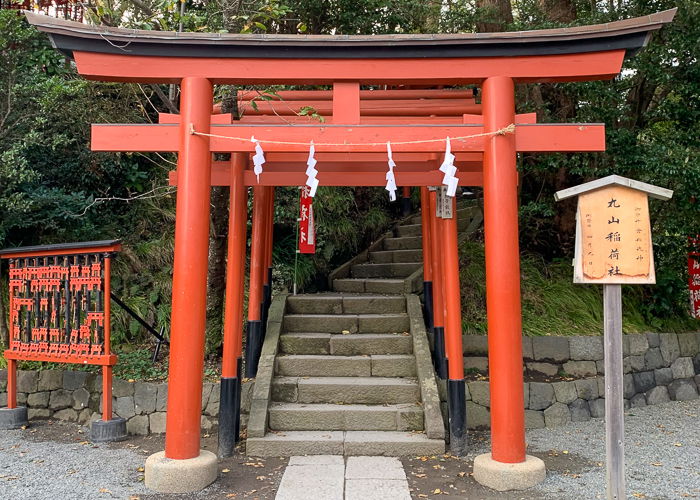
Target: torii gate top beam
<point x="565" y="54"/>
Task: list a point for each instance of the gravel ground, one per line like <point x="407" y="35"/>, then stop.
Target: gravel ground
<point x="66" y="469"/>
<point x="662" y="459"/>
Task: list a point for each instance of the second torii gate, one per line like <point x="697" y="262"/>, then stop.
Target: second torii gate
<point x="495" y="61"/>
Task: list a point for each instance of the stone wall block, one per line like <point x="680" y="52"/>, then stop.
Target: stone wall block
<point x="580" y="411"/>
<point x="541" y="395"/>
<point x="206" y="424"/>
<point x="475" y="345"/>
<point x="137" y="425"/>
<point x="548" y="369"/>
<point x="22" y="398"/>
<point x="534" y="419"/>
<point x="478" y="417"/>
<point x="84" y="416"/>
<point x="683" y="390"/>
<point x="3" y="399"/>
<point x="50" y="380"/>
<point x="586" y="348"/>
<point x="580" y="368"/>
<point x="3" y="379"/>
<point x="476" y="363"/>
<point x="554" y="349"/>
<point x="643" y="381"/>
<point x="663" y="376"/>
<point x="597" y="407"/>
<point x="653" y="359"/>
<point x="67" y="414"/>
<point x="27" y="381"/>
<point x="480" y="393"/>
<point x="557" y="415"/>
<point x="636" y="363"/>
<point x="162" y="397"/>
<point x="653" y="339"/>
<point x="696" y="364"/>
<point x="212" y="408"/>
<point x="528" y="352"/>
<point x="38" y="399"/>
<point x="206" y="392"/>
<point x="60" y="399"/>
<point x="97" y="384"/>
<point x="670" y="350"/>
<point x="38" y="413"/>
<point x="124" y="407"/>
<point x="122" y="388"/>
<point x="682" y="368"/>
<point x="600" y="366"/>
<point x="688" y="344"/>
<point x="587" y="388"/>
<point x="157" y="422"/>
<point x="638" y="401"/>
<point x="565" y="392"/>
<point x="145" y="395"/>
<point x="639" y="344"/>
<point x="74" y="379"/>
<point x="81" y="398"/>
<point x="657" y="395"/>
<point x="246" y="392"/>
<point x="601" y="386"/>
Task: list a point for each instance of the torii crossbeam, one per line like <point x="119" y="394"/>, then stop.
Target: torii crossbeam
<point x="494" y="61"/>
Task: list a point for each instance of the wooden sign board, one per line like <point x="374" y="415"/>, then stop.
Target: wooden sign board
<point x="613" y="237"/>
<point x="443" y="204"/>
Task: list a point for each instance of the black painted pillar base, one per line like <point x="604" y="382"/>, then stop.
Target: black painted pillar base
<point x="267" y="300"/>
<point x="13" y="418"/>
<point x="254" y="341"/>
<point x="406" y="207"/>
<point x="428" y="304"/>
<point x="107" y="431"/>
<point x="440" y="358"/>
<point x="457" y="409"/>
<point x="229" y="414"/>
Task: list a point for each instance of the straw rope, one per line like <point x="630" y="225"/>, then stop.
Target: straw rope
<point x="510" y="129"/>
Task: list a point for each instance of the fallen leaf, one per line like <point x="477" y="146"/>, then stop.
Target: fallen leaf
<point x="260" y="478"/>
<point x="461" y="474"/>
<point x="422" y="495"/>
<point x="421" y="475"/>
<point x="565" y="452"/>
<point x="225" y="470"/>
<point x="105" y="490"/>
<point x="140" y="469"/>
<point x="232" y="495"/>
<point x="639" y="495"/>
<point x="437" y="491"/>
<point x="677" y="444"/>
<point x="656" y="464"/>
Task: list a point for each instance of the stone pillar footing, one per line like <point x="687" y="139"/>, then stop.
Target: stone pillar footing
<point x="107" y="431"/>
<point x="166" y="475"/>
<point x="502" y="476"/>
<point x="13" y="418"/>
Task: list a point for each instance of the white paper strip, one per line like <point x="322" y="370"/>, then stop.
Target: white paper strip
<point x="449" y="169"/>
<point x="258" y="158"/>
<point x="311" y="171"/>
<point x="390" y="179"/>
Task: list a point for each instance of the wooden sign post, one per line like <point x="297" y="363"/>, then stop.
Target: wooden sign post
<point x="613" y="247"/>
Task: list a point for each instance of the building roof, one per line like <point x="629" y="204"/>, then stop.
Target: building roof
<point x="629" y="35"/>
<point x="615" y="180"/>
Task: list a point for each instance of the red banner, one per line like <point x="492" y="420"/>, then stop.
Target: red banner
<point x="307" y="227"/>
<point x="694" y="276"/>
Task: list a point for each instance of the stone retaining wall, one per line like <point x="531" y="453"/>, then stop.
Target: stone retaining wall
<point x="76" y="396"/>
<point x="658" y="367"/>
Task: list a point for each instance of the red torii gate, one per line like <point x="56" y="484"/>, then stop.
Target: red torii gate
<point x="496" y="61"/>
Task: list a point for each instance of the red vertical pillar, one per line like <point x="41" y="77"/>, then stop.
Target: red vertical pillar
<point x="107" y="369"/>
<point x="267" y="268"/>
<point x="438" y="304"/>
<point x="230" y="397"/>
<point x="457" y="405"/>
<point x="255" y="282"/>
<point x="186" y="368"/>
<point x="11" y="383"/>
<point x="503" y="274"/>
<point x="406" y="206"/>
<point x="426" y="242"/>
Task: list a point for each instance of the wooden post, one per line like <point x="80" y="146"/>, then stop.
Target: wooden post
<point x="614" y="410"/>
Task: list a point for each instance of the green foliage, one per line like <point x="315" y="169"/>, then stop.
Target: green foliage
<point x="552" y="304"/>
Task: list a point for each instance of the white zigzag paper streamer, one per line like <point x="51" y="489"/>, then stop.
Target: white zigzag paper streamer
<point x="258" y="158"/>
<point x="449" y="169"/>
<point x="390" y="179"/>
<point x="311" y="171"/>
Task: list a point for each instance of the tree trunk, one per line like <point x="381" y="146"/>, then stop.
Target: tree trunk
<point x="4" y="331"/>
<point x="216" y="277"/>
<point x="558" y="11"/>
<point x="494" y="15"/>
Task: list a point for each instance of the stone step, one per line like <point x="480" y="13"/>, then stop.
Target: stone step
<point x="404" y="243"/>
<point x="356" y="417"/>
<point x="348" y="323"/>
<point x="345" y="390"/>
<point x="353" y="443"/>
<point x="389" y="270"/>
<point x="409" y="230"/>
<point x="335" y="303"/>
<point x="321" y="365"/>
<point x="369" y="285"/>
<point x="345" y="345"/>
<point x="386" y="256"/>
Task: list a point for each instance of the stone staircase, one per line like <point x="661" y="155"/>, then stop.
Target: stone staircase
<point x="349" y="372"/>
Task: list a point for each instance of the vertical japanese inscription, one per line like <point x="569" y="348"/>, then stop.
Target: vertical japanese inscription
<point x="615" y="235"/>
